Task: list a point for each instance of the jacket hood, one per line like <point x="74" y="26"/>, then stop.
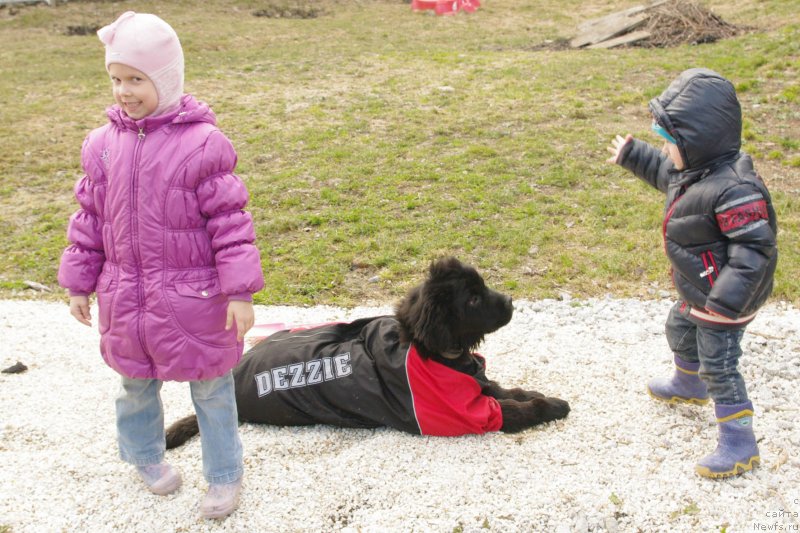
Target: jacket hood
<point x="701" y="111"/>
<point x="190" y="110"/>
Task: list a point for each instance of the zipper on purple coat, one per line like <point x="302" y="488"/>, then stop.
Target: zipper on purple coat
<point x="137" y="153"/>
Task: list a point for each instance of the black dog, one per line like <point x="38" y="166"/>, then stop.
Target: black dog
<point x="414" y="371"/>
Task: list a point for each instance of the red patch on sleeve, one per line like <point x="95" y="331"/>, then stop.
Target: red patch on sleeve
<point x="448" y="403"/>
<point x="741" y="215"/>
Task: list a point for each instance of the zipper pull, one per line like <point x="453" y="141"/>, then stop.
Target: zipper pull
<point x="141" y="133"/>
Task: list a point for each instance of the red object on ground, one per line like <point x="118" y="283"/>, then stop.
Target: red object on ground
<point x="446" y="7"/>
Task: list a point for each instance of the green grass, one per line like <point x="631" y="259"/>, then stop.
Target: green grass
<point x="373" y="139"/>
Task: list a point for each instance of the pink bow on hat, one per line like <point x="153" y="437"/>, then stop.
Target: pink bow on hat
<point x="106" y="33"/>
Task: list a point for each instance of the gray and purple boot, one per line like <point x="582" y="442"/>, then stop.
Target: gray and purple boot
<point x="737" y="450"/>
<point x="685" y="385"/>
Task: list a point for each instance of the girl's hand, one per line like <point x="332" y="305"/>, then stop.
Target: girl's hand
<point x="79" y="308"/>
<point x="616" y="147"/>
<point x="242" y="313"/>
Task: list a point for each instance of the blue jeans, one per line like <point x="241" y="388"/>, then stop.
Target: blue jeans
<point x="717" y="350"/>
<point x="140" y="425"/>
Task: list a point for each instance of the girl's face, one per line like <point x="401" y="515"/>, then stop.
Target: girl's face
<point x="671" y="151"/>
<point x="133" y="91"/>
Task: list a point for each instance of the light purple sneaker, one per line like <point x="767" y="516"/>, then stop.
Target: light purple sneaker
<point x="161" y="479"/>
<point x="221" y="500"/>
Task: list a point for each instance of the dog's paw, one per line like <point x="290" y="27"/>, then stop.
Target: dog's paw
<point x="518" y="416"/>
<point x="556" y="409"/>
<point x="529" y="395"/>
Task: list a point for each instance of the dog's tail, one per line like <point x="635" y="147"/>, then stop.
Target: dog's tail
<point x="181" y="431"/>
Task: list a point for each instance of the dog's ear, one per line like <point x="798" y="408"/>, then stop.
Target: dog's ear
<point x="423" y="316"/>
<point x="444" y="268"/>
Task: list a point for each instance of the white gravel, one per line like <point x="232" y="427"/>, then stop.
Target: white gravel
<point x="619" y="462"/>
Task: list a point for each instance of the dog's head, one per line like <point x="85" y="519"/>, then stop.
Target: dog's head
<point x="449" y="314"/>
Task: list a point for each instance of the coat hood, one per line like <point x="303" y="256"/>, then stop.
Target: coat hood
<point x="701" y="111"/>
<point x="190" y="110"/>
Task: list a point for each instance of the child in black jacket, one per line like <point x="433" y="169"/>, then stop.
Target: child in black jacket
<point x="719" y="234"/>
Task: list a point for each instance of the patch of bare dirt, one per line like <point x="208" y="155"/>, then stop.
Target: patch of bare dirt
<point x="82" y="29"/>
<point x="294" y="11"/>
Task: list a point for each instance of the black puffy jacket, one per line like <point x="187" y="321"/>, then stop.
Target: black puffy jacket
<point x="719" y="225"/>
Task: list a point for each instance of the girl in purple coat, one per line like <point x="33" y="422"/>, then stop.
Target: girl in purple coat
<point x="163" y="240"/>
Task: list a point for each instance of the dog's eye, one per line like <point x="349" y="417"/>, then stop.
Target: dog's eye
<point x="474" y="300"/>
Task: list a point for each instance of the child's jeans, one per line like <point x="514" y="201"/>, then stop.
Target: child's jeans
<point x="140" y="425"/>
<point x="717" y="350"/>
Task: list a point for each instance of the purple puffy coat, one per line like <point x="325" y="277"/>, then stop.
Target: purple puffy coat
<point x="162" y="238"/>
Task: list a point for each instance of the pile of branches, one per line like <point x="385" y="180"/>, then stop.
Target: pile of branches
<point x="683" y="22"/>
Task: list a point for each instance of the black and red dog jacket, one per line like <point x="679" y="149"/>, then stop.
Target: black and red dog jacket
<point x="359" y="375"/>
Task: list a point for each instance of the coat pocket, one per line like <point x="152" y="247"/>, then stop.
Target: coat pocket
<point x="710" y="269"/>
<point x="203" y="289"/>
<point x="200" y="309"/>
<point x="105" y="291"/>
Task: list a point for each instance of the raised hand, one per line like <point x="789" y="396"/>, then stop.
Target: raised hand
<point x="616" y="147"/>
